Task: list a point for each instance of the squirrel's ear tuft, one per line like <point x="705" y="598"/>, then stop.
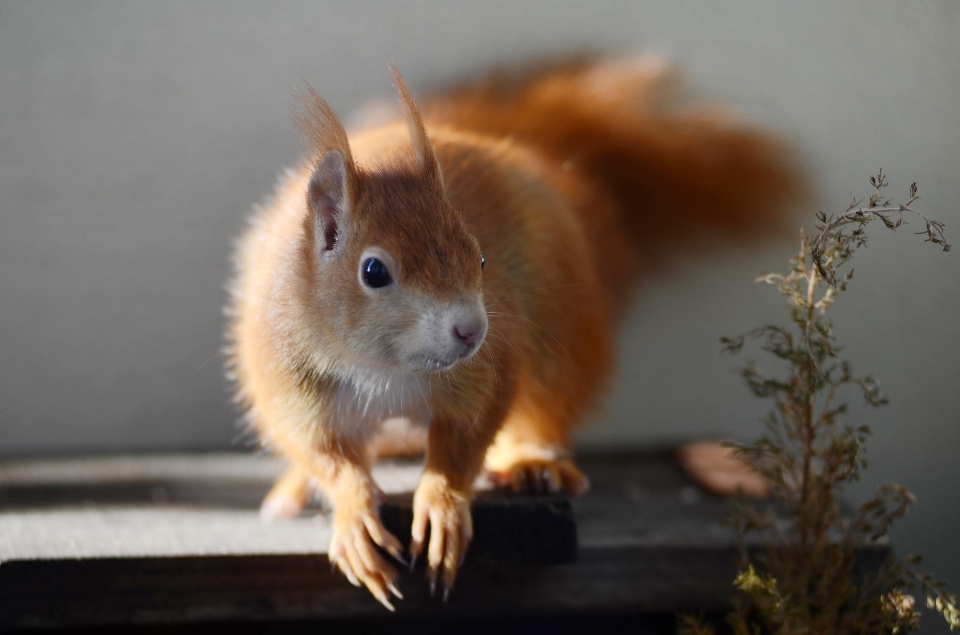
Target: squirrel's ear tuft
<point x="329" y="198"/>
<point x="422" y="148"/>
<point x="322" y="130"/>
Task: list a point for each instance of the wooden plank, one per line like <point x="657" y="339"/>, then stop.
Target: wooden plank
<point x="219" y="588"/>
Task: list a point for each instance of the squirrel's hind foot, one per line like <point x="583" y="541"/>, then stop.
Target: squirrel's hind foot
<point x="288" y="496"/>
<point x="541" y="476"/>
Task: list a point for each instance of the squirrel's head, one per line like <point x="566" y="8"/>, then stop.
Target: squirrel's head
<point x="397" y="275"/>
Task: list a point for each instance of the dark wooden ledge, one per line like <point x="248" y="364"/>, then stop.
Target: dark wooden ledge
<point x="177" y="540"/>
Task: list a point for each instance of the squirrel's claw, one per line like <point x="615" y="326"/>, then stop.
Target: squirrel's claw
<point x="447" y="513"/>
<point x="352" y="551"/>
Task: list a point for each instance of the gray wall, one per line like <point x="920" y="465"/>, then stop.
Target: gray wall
<point x="135" y="136"/>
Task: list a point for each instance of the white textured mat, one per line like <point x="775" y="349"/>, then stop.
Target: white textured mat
<point x="35" y="523"/>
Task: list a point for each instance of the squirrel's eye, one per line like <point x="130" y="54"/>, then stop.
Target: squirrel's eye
<point x="483" y="261"/>
<point x="375" y="273"/>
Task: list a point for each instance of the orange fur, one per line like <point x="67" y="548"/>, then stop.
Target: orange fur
<point x="571" y="184"/>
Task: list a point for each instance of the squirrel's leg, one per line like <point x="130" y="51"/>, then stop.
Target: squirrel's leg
<point x="288" y="496"/>
<point x="442" y="500"/>
<point x="340" y="467"/>
<point x="530" y="455"/>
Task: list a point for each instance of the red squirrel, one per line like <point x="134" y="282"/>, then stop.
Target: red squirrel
<point x="464" y="268"/>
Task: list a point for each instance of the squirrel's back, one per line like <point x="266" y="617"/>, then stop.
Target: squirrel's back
<point x="614" y="131"/>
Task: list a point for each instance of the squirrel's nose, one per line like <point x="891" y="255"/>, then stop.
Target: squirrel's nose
<point x="467" y="334"/>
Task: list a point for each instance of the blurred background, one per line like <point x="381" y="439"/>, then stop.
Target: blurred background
<point x="136" y="136"/>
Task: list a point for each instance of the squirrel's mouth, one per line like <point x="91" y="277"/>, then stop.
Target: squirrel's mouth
<point x="436" y="361"/>
<point x="430" y="364"/>
<point x="425" y="364"/>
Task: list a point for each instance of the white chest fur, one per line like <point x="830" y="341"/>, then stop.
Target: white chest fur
<point x="364" y="400"/>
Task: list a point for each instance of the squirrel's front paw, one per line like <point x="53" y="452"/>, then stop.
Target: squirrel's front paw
<point x="355" y="532"/>
<point x="447" y="512"/>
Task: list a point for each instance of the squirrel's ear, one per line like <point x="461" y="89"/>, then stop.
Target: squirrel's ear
<point x="328" y="194"/>
<point x="329" y="189"/>
<point x="422" y="149"/>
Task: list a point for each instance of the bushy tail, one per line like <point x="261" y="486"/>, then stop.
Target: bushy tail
<point x="678" y="175"/>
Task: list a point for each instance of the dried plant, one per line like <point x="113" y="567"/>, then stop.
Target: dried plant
<point x="842" y="245"/>
<point x="805" y="578"/>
